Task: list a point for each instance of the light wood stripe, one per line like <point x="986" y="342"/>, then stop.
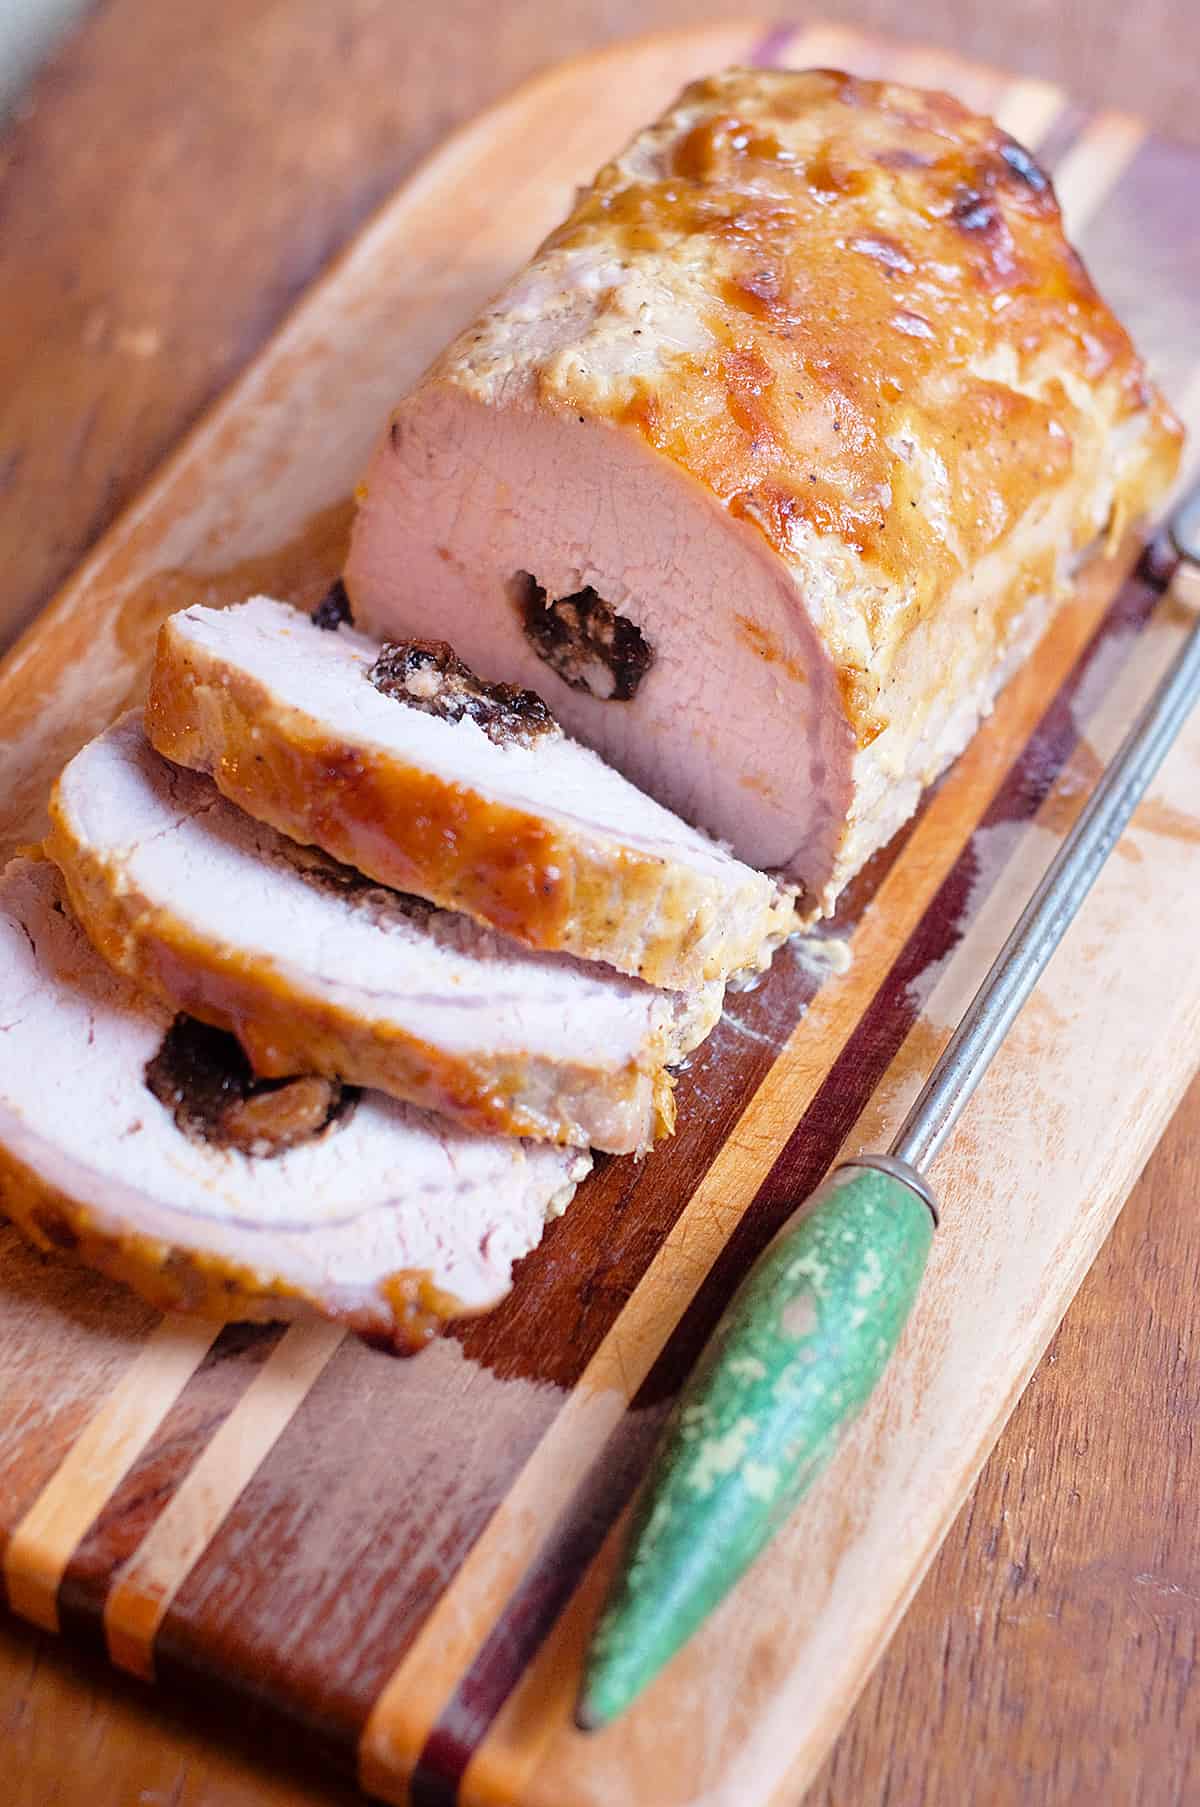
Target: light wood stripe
<point x="1094" y="165"/>
<point x="146" y="1586"/>
<point x="43" y="1543"/>
<point x="1029" y="109"/>
<point x="418" y="1691"/>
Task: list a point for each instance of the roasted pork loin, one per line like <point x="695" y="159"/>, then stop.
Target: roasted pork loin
<point x="771" y="465"/>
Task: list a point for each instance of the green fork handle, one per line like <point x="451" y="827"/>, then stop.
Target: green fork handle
<point x="792" y="1362"/>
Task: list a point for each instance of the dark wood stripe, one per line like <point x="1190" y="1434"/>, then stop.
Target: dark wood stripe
<point x="532" y="1611"/>
<point x="207" y="1400"/>
<point x="553" y="1577"/>
<point x="573" y="1288"/>
<point x="323" y="1553"/>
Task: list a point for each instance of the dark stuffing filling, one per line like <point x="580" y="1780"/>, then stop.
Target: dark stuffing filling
<point x="585" y="641"/>
<point x="428" y="675"/>
<point x="333" y="610"/>
<point x="203" y="1077"/>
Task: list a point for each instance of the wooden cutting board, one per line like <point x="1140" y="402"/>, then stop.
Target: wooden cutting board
<point x="400" y="1560"/>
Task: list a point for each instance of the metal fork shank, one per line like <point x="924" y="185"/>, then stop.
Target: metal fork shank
<point x="1045" y="918"/>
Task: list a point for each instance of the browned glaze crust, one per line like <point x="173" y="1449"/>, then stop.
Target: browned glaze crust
<point x="398" y="824"/>
<point x="889" y="309"/>
<point x="408" y="1312"/>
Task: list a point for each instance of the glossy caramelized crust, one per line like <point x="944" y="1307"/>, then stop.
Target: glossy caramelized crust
<point x="847" y="312"/>
<point x="892" y="319"/>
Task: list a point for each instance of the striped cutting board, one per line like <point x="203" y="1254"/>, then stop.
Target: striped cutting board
<point x="401" y="1559"/>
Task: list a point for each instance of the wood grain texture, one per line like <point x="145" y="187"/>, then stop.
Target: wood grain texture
<point x="73" y="1730"/>
<point x="903" y="1783"/>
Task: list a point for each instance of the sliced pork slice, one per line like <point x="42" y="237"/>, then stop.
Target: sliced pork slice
<point x="434" y="783"/>
<point x="362" y="1209"/>
<point x="773" y="462"/>
<point x="317" y="970"/>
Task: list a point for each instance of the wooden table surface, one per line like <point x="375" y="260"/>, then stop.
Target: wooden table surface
<point x="177" y="177"/>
